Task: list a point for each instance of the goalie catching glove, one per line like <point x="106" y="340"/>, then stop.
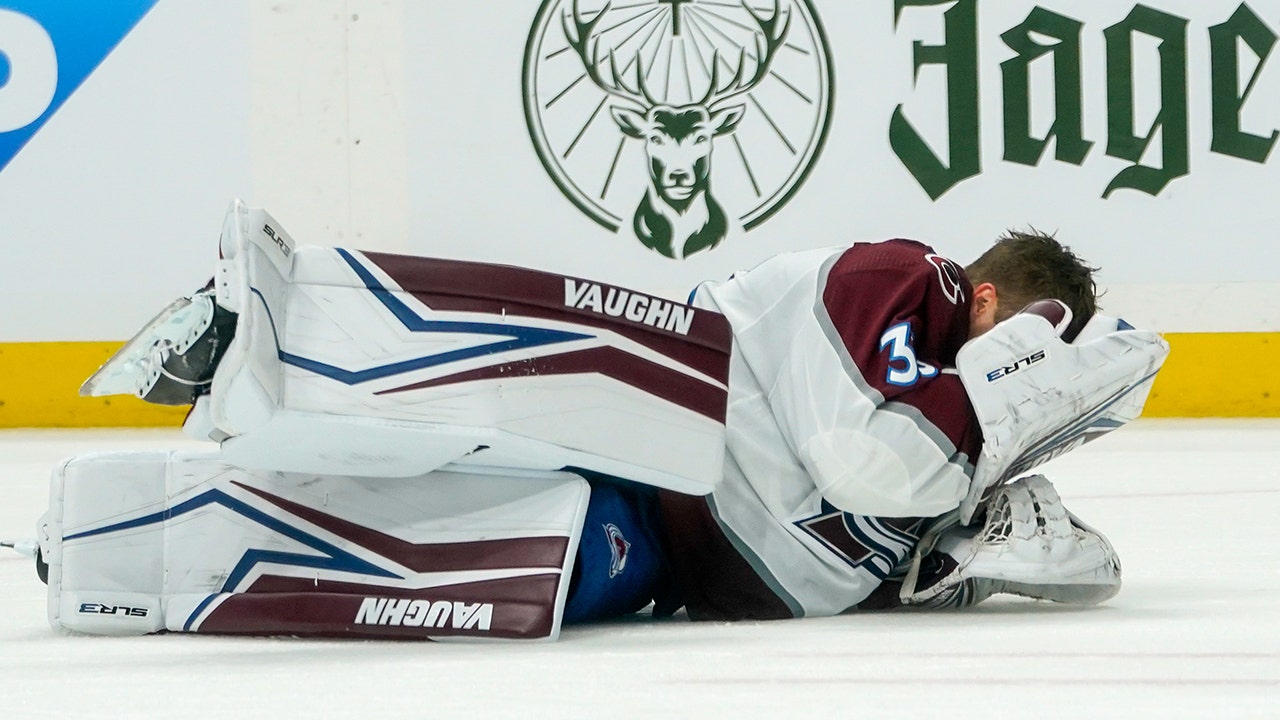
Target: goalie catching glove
<point x="1030" y="545"/>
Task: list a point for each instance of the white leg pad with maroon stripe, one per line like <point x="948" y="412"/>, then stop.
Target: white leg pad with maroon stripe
<point x="143" y="542"/>
<point x="346" y="362"/>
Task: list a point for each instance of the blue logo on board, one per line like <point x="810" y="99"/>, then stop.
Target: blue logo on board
<point x="47" y="49"/>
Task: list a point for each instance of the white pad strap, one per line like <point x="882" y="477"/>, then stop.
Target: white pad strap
<point x="1037" y="397"/>
<point x="139" y="542"/>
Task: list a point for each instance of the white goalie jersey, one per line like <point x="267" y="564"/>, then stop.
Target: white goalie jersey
<point x="854" y="415"/>
<point x="845" y="427"/>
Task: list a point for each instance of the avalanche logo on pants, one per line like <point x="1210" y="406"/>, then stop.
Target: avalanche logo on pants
<point x="618" y="548"/>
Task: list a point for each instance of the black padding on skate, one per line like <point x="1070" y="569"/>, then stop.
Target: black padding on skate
<point x="188" y="375"/>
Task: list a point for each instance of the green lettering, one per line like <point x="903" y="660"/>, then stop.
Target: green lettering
<point x="1068" y="120"/>
<point x="1228" y="101"/>
<point x="1171" y="121"/>
<point x="959" y="54"/>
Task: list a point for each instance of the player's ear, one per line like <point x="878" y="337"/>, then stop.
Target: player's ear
<point x="985" y="298"/>
<point x="982" y="313"/>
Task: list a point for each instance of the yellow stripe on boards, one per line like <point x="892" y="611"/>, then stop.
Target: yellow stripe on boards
<point x="40" y="384"/>
<point x="1218" y="375"/>
<point x="1206" y="375"/>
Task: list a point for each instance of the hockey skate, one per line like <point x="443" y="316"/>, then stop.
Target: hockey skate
<point x="171" y="360"/>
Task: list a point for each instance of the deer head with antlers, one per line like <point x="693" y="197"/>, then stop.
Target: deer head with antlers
<point x="678" y="215"/>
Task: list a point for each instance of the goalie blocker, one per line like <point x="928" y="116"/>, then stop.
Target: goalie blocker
<point x="1037" y="396"/>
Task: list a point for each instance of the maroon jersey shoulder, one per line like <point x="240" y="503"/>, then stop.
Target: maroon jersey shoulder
<point x="901" y="312"/>
<point x="873" y="287"/>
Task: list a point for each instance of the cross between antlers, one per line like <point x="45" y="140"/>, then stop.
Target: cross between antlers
<point x="772" y="33"/>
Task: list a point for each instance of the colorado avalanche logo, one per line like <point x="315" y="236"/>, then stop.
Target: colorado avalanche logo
<point x="618" y="548"/>
<point x="949" y="277"/>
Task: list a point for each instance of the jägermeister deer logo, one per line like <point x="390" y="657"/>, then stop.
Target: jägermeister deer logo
<point x="629" y="102"/>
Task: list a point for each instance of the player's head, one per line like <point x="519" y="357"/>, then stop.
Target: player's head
<point x="1023" y="267"/>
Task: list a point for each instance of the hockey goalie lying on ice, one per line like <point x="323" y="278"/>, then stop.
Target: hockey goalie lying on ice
<point x="417" y="448"/>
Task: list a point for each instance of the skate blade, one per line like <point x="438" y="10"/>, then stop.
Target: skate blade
<point x="135" y="367"/>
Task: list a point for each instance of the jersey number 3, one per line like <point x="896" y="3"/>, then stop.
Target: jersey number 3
<point x="904" y="369"/>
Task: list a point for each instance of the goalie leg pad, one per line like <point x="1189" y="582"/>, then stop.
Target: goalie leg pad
<point x="337" y="362"/>
<point x="1030" y="545"/>
<point x="140" y="542"/>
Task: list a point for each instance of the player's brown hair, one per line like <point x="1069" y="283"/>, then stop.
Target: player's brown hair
<point x="1033" y="265"/>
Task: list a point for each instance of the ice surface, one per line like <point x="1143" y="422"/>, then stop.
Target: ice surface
<point x="1193" y="507"/>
